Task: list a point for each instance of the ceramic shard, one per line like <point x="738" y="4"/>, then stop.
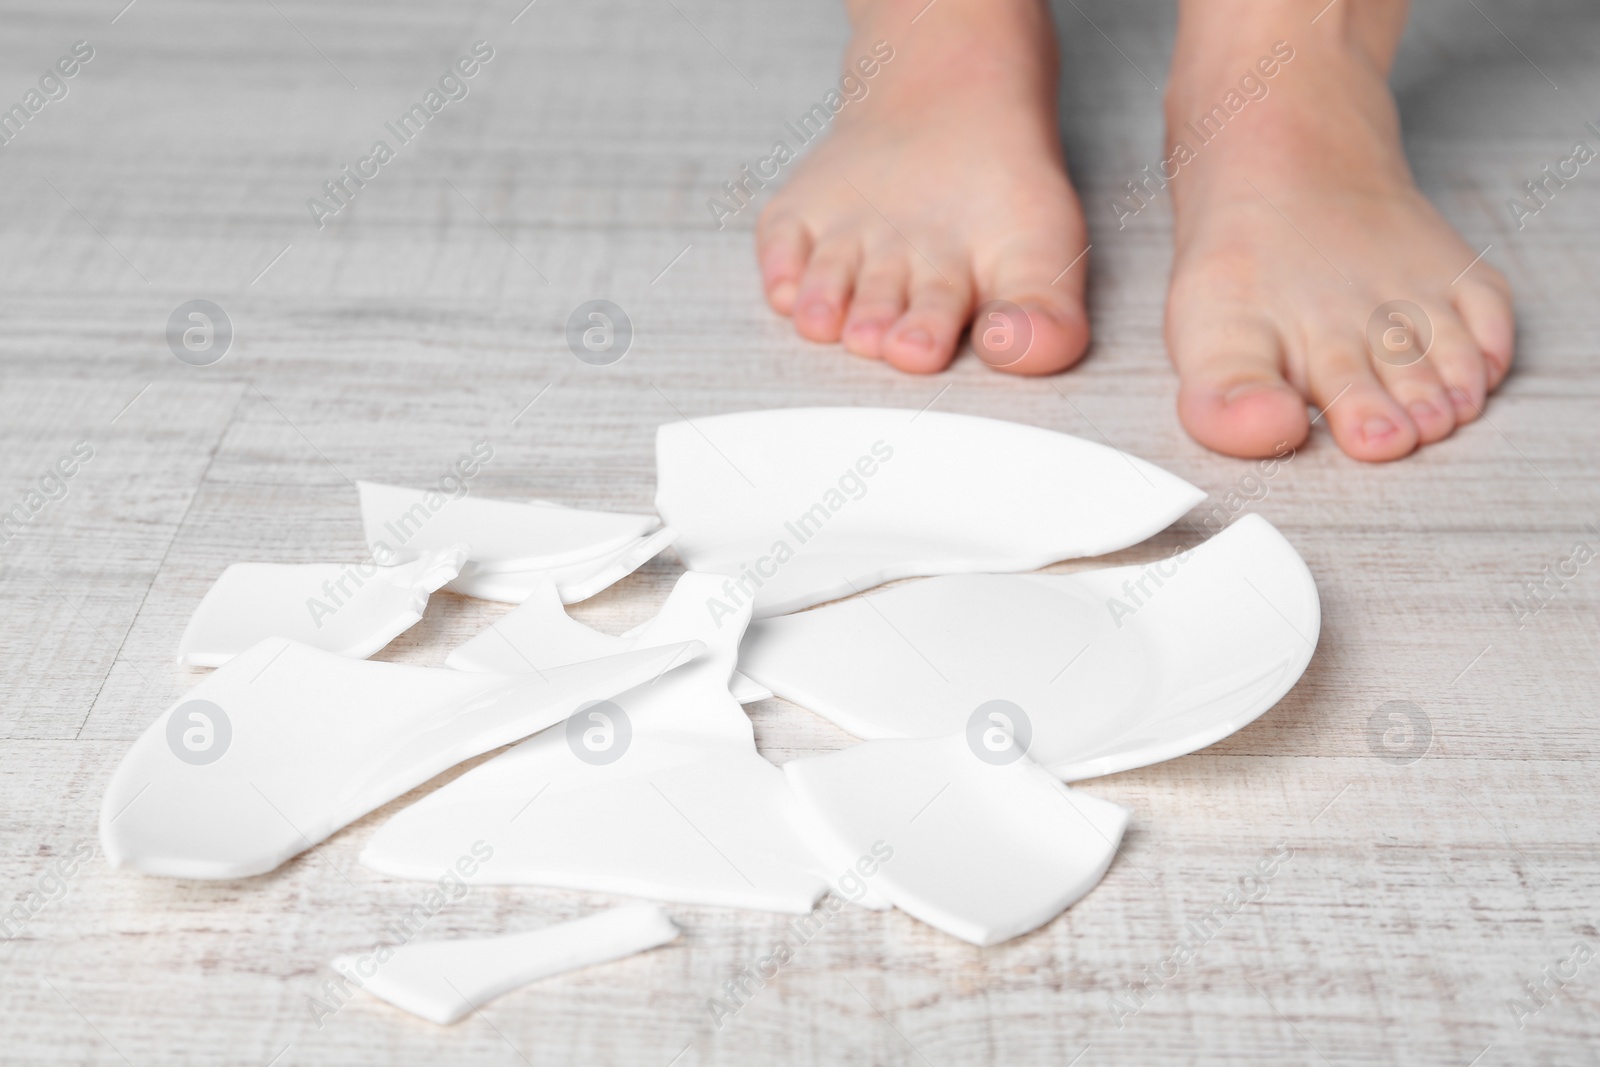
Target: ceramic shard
<point x="538" y="634"/>
<point x="351" y="609"/>
<point x="541" y="634"/>
<point x="285" y="744"/>
<point x="574" y="581"/>
<point x="804" y="505"/>
<point x="442" y="981"/>
<point x="747" y="690"/>
<point x="850" y="871"/>
<point x="984" y="852"/>
<point x="660" y="793"/>
<point x="1106" y="669"/>
<point x="403" y="523"/>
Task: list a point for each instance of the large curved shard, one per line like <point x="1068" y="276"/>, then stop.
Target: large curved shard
<point x="285" y="744"/>
<point x="1105" y="669"/>
<point x="983" y="851"/>
<point x="804" y="505"/>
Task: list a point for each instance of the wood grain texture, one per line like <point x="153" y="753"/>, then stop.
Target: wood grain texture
<point x="1419" y="898"/>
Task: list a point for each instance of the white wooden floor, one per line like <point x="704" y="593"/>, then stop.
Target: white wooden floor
<point x="1420" y="897"/>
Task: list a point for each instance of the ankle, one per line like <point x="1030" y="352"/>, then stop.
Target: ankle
<point x="908" y="16"/>
<point x="949" y="36"/>
<point x="1363" y="31"/>
<point x="1298" y="94"/>
<point x="956" y="55"/>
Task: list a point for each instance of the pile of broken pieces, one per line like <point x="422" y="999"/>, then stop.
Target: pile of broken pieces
<point x="978" y="691"/>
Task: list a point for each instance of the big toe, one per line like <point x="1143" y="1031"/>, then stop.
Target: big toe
<point x="1233" y="397"/>
<point x="1247" y="417"/>
<point x="1028" y="325"/>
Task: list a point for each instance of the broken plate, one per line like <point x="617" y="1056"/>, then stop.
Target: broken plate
<point x="541" y="634"/>
<point x="352" y="609"/>
<point x="574" y="581"/>
<point x="442" y="981"/>
<point x="983" y="851"/>
<point x="402" y="523"/>
<point x="657" y="793"/>
<point x="1106" y="669"/>
<point x="285" y="744"/>
<point x="804" y="505"/>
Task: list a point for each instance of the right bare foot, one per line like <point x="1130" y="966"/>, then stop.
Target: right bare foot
<point x="1298" y="227"/>
<point x="941" y="190"/>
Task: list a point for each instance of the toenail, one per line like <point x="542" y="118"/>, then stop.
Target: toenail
<point x="1377" y="426"/>
<point x="1239" y="392"/>
<point x="1044" y="311"/>
<point x="1462" y="401"/>
<point x="866" y="326"/>
<point x="818" y="309"/>
<point x="917" y="338"/>
<point x="1422" y="411"/>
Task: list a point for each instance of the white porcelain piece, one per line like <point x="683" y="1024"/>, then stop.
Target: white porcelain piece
<point x="539" y="633"/>
<point x="402" y="523"/>
<point x="443" y="981"/>
<point x="1112" y="669"/>
<point x="747" y="690"/>
<point x="659" y="794"/>
<point x="284" y="744"/>
<point x="804" y="505"/>
<point x="838" y="860"/>
<point x="984" y="852"/>
<point x="574" y="581"/>
<point x="353" y="609"/>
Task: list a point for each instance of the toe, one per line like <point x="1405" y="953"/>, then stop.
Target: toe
<point x="1027" y="325"/>
<point x="1233" y="397"/>
<point x="1461" y="366"/>
<point x="880" y="299"/>
<point x="1485" y="307"/>
<point x="1368" y="423"/>
<point x="783" y="246"/>
<point x="923" y="340"/>
<point x="825" y="289"/>
<point x="1416" y="386"/>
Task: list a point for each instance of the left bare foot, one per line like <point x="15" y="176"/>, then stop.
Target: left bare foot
<point x="1297" y="221"/>
<point x="941" y="191"/>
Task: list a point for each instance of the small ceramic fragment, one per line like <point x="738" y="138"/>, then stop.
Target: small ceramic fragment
<point x="985" y="852"/>
<point x="538" y="634"/>
<point x="541" y="634"/>
<point x="1110" y="669"/>
<point x="402" y="523"/>
<point x="284" y="744"/>
<point x="804" y="505"/>
<point x="574" y="581"/>
<point x="657" y="793"/>
<point x="747" y="690"/>
<point x="352" y="609"/>
<point x="442" y="981"/>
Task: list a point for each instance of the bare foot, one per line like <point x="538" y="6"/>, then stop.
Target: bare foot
<point x="940" y="190"/>
<point x="1297" y="221"/>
